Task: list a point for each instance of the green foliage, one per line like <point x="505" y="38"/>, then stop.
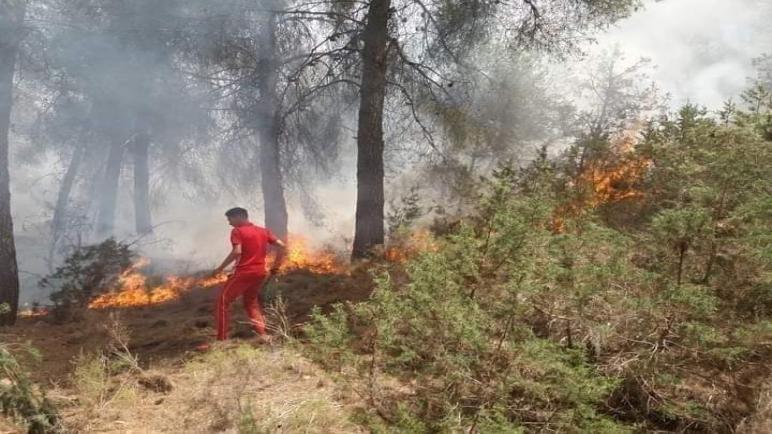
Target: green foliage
<point x="709" y="188"/>
<point x="511" y="325"/>
<point x="247" y="422"/>
<point x="404" y="215"/>
<point x="454" y="331"/>
<point x="757" y="100"/>
<point x="87" y="272"/>
<point x="330" y="333"/>
<point x="21" y="400"/>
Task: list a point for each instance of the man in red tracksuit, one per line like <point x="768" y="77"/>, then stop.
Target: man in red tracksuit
<point x="250" y="246"/>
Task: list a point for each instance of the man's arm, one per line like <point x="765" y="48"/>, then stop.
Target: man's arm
<point x="281" y="250"/>
<point x="232" y="256"/>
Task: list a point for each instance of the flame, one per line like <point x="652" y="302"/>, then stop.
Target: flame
<point x="212" y="280"/>
<point x="402" y="249"/>
<point x="613" y="183"/>
<point x="300" y="256"/>
<point x="606" y="181"/>
<point x="133" y="289"/>
<point x="33" y="312"/>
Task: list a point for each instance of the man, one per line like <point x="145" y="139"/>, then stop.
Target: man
<point x="250" y="246"/>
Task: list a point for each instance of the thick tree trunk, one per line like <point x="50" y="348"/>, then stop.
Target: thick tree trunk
<point x="11" y="29"/>
<point x="269" y="132"/>
<point x="63" y="199"/>
<point x="369" y="230"/>
<point x="273" y="189"/>
<point x="108" y="192"/>
<point x="142" y="216"/>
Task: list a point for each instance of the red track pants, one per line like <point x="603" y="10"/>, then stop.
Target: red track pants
<point x="247" y="286"/>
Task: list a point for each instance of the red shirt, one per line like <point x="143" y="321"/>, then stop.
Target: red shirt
<point x="254" y="242"/>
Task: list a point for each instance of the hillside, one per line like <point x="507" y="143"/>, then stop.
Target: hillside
<point x="239" y="386"/>
<point x="137" y="370"/>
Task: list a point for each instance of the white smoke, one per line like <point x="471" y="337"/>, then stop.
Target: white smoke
<point x="703" y="49"/>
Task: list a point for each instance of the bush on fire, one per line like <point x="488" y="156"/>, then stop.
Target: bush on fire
<point x="609" y="323"/>
<point x="86" y="273"/>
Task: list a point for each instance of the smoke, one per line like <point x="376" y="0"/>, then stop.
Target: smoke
<point x="703" y="49"/>
<point x="110" y="70"/>
<point x="191" y="232"/>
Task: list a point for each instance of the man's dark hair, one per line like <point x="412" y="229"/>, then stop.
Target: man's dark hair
<point x="237" y="212"/>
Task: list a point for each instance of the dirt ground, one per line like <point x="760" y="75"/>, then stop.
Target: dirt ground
<point x="176" y="388"/>
<point x="240" y="386"/>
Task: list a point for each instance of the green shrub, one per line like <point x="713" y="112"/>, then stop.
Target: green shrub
<point x="403" y="215"/>
<point x="332" y="338"/>
<point x="510" y="325"/>
<point x="553" y="308"/>
<point x="86" y="273"/>
<point x="455" y="334"/>
<point x="21" y="400"/>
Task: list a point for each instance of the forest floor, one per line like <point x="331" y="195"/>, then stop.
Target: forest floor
<point x="137" y="370"/>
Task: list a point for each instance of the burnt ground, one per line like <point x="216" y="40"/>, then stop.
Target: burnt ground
<point x="238" y="386"/>
<point x="171" y="393"/>
<point x="169" y="332"/>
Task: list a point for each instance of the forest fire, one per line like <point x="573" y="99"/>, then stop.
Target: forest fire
<point x="614" y="179"/>
<point x="612" y="183"/>
<point x="34" y="312"/>
<point x="134" y="290"/>
<point x="300" y="256"/>
<point x="403" y="249"/>
<point x="607" y="180"/>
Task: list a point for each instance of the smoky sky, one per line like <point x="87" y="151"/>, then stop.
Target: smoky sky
<point x="703" y="52"/>
<point x="702" y="49"/>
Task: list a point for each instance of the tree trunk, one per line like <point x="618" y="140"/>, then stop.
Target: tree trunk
<point x="11" y="31"/>
<point x="108" y="192"/>
<point x="369" y="230"/>
<point x="142" y="216"/>
<point x="273" y="189"/>
<point x="269" y="132"/>
<point x="63" y="199"/>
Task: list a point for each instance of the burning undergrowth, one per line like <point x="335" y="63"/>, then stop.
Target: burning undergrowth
<point x="613" y="177"/>
<point x="110" y="275"/>
<point x="405" y="245"/>
<point x="134" y="286"/>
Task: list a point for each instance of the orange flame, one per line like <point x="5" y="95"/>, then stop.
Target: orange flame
<point x="606" y="181"/>
<point x="300" y="256"/>
<point x="613" y="183"/>
<point x="403" y="249"/>
<point x="33" y="312"/>
<point x="133" y="289"/>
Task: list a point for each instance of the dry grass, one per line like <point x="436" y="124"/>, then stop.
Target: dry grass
<point x="254" y="390"/>
<point x="112" y="373"/>
<point x="233" y="388"/>
<point x="761" y="420"/>
<point x="98" y="393"/>
<point x="8" y="427"/>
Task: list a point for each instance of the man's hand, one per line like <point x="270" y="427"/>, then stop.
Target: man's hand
<point x="233" y="256"/>
<point x="278" y="260"/>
